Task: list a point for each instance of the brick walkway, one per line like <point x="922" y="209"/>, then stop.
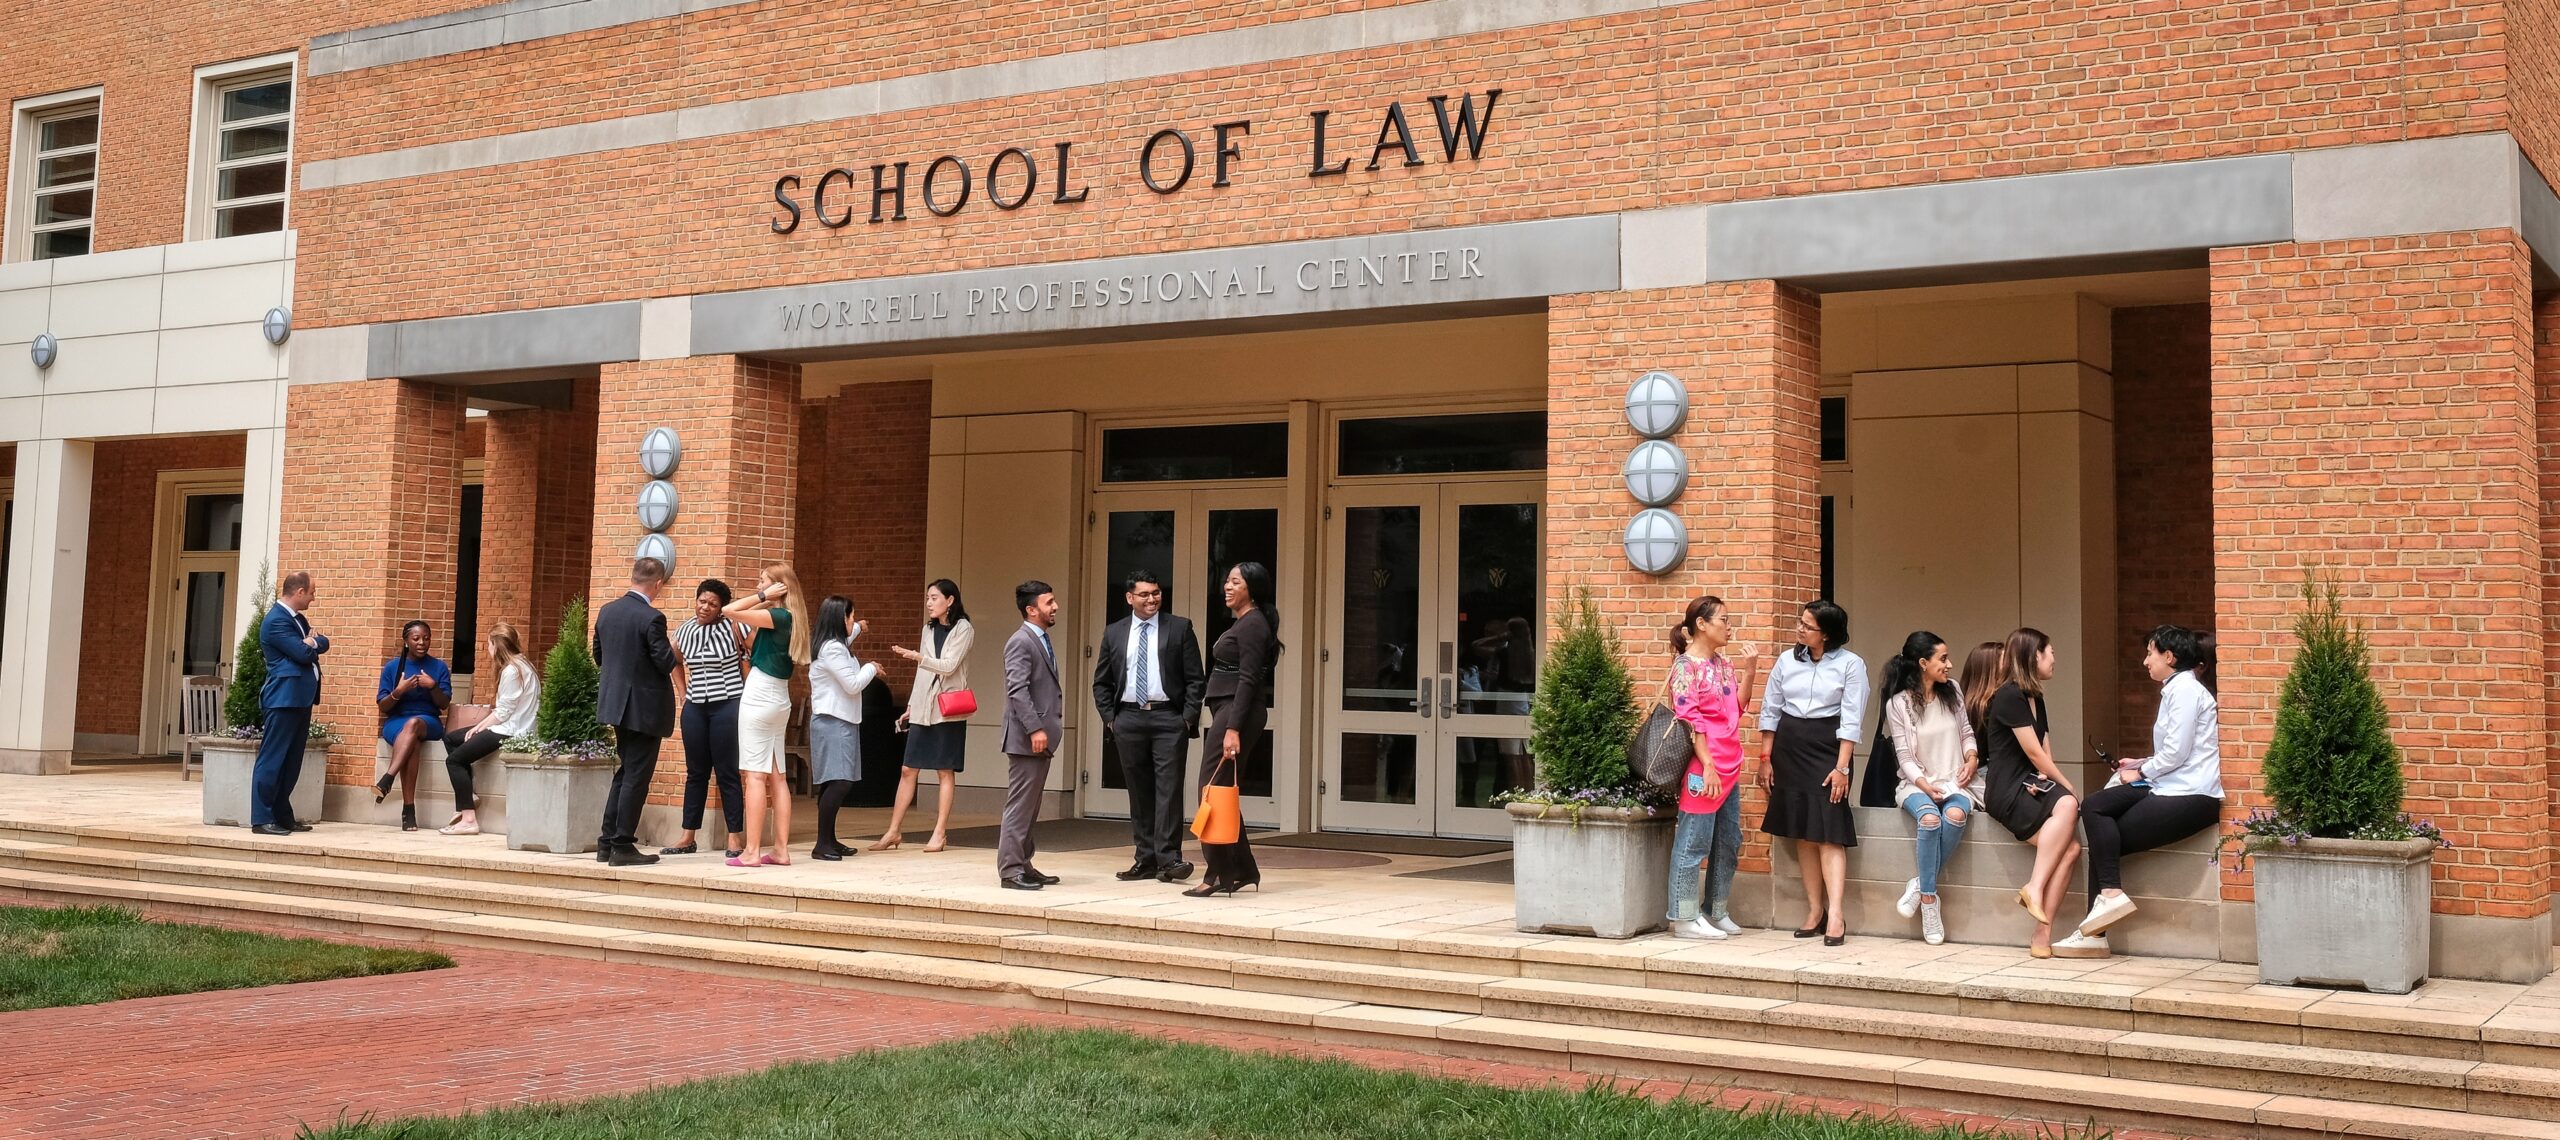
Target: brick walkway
<point x="505" y="1028"/>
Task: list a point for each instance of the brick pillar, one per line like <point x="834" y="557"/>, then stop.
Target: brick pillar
<point x="738" y="421"/>
<point x="2546" y="373"/>
<point x="372" y="496"/>
<point x="862" y="515"/>
<point x="2374" y="417"/>
<point x="537" y="512"/>
<point x="1749" y="353"/>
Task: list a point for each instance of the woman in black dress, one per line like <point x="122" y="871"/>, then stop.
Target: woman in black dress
<point x="1810" y="715"/>
<point x="1239" y="699"/>
<point x="2022" y="786"/>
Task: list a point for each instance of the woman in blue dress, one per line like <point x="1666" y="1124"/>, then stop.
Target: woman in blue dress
<point x="415" y="690"/>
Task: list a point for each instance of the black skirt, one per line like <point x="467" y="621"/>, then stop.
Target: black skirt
<point x="1806" y="752"/>
<point x="940" y="747"/>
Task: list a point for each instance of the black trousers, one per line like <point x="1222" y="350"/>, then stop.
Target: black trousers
<point x="1229" y="862"/>
<point x="711" y="751"/>
<point x="1152" y="747"/>
<point x="2125" y="819"/>
<point x="639" y="753"/>
<point x="464" y="747"/>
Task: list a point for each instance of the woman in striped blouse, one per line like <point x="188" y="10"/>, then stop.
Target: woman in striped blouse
<point x="709" y="681"/>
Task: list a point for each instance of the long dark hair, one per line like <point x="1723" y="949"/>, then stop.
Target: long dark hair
<point x="1902" y="674"/>
<point x="950" y="589"/>
<point x="1984" y="672"/>
<point x="834" y="621"/>
<point x="1257" y="585"/>
<point x="2026" y="643"/>
<point x="1701" y="611"/>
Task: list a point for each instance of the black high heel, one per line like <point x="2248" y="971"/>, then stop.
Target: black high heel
<point x="408" y="817"/>
<point x="1815" y="930"/>
<point x="382" y="787"/>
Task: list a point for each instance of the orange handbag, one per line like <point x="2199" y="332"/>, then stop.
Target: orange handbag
<point x="1221" y="815"/>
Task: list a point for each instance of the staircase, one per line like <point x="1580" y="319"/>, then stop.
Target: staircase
<point x="2216" y="1058"/>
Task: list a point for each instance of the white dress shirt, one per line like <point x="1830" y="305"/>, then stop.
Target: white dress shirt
<point x="836" y="681"/>
<point x="519" y="700"/>
<point x="2186" y="740"/>
<point x="1142" y="634"/>
<point x="1045" y="647"/>
<point x="1836" y="685"/>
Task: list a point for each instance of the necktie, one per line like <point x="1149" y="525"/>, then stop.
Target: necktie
<point x="1049" y="649"/>
<point x="1146" y="649"/>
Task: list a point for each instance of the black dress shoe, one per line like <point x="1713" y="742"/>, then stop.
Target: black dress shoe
<point x="1137" y="871"/>
<point x="1178" y="871"/>
<point x="297" y="825"/>
<point x="831" y="854"/>
<point x="271" y="829"/>
<point x="1045" y="880"/>
<point x="604" y="853"/>
<point x="630" y="857"/>
<point x="1025" y="883"/>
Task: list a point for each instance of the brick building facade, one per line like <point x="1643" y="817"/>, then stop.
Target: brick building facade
<point x="2087" y="318"/>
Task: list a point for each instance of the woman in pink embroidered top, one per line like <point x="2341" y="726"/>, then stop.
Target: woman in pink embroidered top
<point x="1706" y="694"/>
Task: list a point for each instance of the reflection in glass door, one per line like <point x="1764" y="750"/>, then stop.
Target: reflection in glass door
<point x="202" y="627"/>
<point x="1188" y="539"/>
<point x="1435" y="631"/>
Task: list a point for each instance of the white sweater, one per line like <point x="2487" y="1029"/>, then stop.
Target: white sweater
<point x="836" y="681"/>
<point x="519" y="700"/>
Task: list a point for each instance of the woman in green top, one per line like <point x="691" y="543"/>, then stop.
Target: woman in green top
<point x="765" y="711"/>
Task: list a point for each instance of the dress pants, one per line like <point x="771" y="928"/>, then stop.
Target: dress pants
<point x="1025" y="776"/>
<point x="711" y="753"/>
<point x="464" y="747"/>
<point x="279" y="766"/>
<point x="1152" y="746"/>
<point x="639" y="753"/>
<point x="2125" y="819"/>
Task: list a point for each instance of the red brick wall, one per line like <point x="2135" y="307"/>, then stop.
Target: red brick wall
<point x="536" y="513"/>
<point x="738" y="420"/>
<point x="862" y="511"/>
<point x="1707" y="102"/>
<point x="1750" y="355"/>
<point x="372" y="483"/>
<point x="2164" y="495"/>
<point x="115" y="638"/>
<point x="2546" y="377"/>
<point x="2374" y="415"/>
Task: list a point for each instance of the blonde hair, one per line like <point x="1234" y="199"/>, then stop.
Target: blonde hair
<point x="505" y="648"/>
<point x="800" y="616"/>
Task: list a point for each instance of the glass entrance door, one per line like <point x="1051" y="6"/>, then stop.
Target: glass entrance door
<point x="1434" y="633"/>
<point x="1188" y="539"/>
<point x="203" y="625"/>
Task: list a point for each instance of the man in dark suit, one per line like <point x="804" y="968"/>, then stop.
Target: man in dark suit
<point x="1034" y="717"/>
<point x="293" y="654"/>
<point x="1147" y="680"/>
<point x="633" y="660"/>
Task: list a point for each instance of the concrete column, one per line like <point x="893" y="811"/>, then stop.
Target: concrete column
<point x="261" y="501"/>
<point x="48" y="576"/>
<point x="2374" y="417"/>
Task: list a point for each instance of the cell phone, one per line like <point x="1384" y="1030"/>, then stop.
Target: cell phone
<point x="2104" y="755"/>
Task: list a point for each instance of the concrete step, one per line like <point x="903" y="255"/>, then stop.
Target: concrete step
<point x="1933" y="1082"/>
<point x="2370" y="1076"/>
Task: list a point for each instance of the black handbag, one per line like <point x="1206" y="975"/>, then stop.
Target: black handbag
<point x="1661" y="751"/>
<point x="1884" y="772"/>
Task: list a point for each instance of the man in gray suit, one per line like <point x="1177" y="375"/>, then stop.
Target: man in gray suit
<point x="1034" y="715"/>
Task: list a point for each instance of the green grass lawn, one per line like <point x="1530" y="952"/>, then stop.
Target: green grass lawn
<point x="1091" y="1083"/>
<point x="80" y="955"/>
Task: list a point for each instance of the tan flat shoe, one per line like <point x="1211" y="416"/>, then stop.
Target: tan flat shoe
<point x="2033" y="910"/>
<point x="2039" y="951"/>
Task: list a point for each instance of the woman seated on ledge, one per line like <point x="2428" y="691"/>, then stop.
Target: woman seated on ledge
<point x="416" y="688"/>
<point x="1933" y="741"/>
<point x="519" y="699"/>
<point x="2158" y="799"/>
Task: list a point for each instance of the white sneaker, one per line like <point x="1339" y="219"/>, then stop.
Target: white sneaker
<point x="1933" y="925"/>
<point x="2081" y="945"/>
<point x="1725" y="923"/>
<point x="1910" y="902"/>
<point x="1697" y="929"/>
<point x="2107" y="911"/>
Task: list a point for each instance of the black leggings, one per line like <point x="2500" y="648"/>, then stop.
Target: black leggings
<point x="2125" y="819"/>
<point x="711" y="752"/>
<point x="464" y="747"/>
<point x="831" y="796"/>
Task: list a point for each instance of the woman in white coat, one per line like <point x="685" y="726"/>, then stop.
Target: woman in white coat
<point x="937" y="741"/>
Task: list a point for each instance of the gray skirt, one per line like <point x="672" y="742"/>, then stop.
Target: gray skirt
<point x="835" y="750"/>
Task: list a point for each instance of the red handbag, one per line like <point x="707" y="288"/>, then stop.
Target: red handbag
<point x="956" y="704"/>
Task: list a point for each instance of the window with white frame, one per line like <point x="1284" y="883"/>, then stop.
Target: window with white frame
<point x="243" y="151"/>
<point x="59" y="174"/>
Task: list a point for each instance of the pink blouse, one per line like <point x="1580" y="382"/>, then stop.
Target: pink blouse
<point x="1705" y="696"/>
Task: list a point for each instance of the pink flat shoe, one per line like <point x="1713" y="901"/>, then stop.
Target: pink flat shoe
<point x="735" y="861"/>
<point x="771" y="862"/>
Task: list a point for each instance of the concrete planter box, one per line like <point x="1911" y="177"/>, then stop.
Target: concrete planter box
<point x="2343" y="912"/>
<point x="555" y="805"/>
<point x="229" y="767"/>
<point x="1605" y="875"/>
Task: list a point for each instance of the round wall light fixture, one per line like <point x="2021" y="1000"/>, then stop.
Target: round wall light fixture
<point x="1656" y="472"/>
<point x="43" y="351"/>
<point x="660" y="547"/>
<point x="660" y="451"/>
<point x="1656" y="541"/>
<point x="657" y="505"/>
<point x="1657" y="404"/>
<point x="277" y="325"/>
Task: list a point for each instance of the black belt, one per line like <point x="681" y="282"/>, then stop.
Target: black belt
<point x="1146" y="706"/>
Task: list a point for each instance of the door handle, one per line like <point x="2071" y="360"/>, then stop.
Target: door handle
<point x="1422" y="703"/>
<point x="1448" y="697"/>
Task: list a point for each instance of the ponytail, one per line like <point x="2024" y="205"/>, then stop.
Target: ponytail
<point x="1702" y="610"/>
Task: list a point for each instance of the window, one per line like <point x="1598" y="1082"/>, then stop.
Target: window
<point x="465" y="646"/>
<point x="1835" y="429"/>
<point x="1208" y="451"/>
<point x="57" y="178"/>
<point x="243" y="148"/>
<point x="1439" y="445"/>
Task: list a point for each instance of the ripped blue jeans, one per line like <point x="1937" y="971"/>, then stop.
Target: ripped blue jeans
<point x="1936" y="842"/>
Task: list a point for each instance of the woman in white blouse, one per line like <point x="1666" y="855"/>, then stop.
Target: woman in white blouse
<point x="836" y="681"/>
<point x="519" y="699"/>
<point x="1810" y="713"/>
<point x="2162" y="798"/>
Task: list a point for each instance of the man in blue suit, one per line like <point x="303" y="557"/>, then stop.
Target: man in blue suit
<point x="293" y="686"/>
